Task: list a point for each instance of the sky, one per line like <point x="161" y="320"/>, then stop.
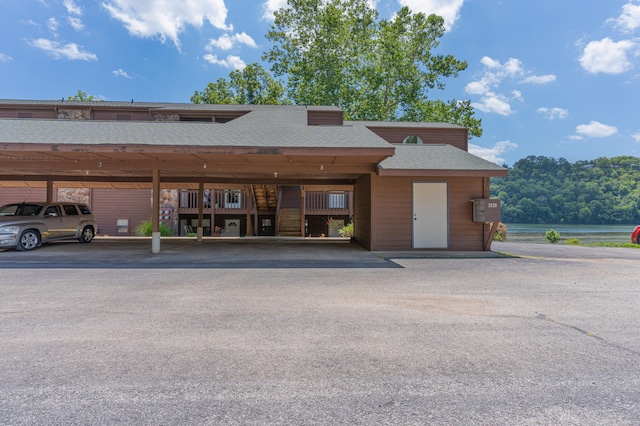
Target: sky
<point x="547" y="78"/>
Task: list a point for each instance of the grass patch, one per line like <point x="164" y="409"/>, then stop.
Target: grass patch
<point x="612" y="244"/>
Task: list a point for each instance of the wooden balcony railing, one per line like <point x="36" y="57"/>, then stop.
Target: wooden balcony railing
<point x="221" y="201"/>
<point x="326" y="203"/>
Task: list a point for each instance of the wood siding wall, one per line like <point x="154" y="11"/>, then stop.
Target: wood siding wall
<point x="362" y="211"/>
<point x="18" y="195"/>
<point x="324" y="118"/>
<point x="109" y="205"/>
<point x="393" y="205"/>
<point x="454" y="137"/>
<point x="126" y="115"/>
<point x="36" y="113"/>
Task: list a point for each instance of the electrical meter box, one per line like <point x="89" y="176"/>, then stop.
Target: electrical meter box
<point x="486" y="210"/>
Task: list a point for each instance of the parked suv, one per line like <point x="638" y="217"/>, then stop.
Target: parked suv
<point x="25" y="226"/>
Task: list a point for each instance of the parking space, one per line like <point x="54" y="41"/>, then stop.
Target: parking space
<point x="190" y="253"/>
<point x="488" y="341"/>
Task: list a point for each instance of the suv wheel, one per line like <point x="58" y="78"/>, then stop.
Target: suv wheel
<point x="87" y="235"/>
<point x="29" y="240"/>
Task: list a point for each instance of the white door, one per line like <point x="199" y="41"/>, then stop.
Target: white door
<point x="430" y="215"/>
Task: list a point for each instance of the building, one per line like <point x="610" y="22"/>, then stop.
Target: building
<point x="249" y="170"/>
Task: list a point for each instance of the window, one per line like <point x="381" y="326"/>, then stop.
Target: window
<point x="84" y="209"/>
<point x="413" y="140"/>
<point x="70" y="210"/>
<point x="122" y="226"/>
<point x="52" y="211"/>
<point x="336" y="200"/>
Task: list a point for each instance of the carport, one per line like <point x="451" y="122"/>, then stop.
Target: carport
<point x="265" y="147"/>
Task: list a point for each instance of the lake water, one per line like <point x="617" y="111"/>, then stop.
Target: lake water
<point x="524" y="232"/>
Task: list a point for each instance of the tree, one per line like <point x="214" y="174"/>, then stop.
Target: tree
<point x="251" y="85"/>
<point x="337" y="52"/>
<point x="82" y="96"/>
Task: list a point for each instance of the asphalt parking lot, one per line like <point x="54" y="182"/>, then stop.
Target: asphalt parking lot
<point x="108" y="333"/>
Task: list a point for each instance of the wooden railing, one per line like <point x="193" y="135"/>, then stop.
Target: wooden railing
<point x="326" y="202"/>
<point x="218" y="200"/>
<point x="316" y="202"/>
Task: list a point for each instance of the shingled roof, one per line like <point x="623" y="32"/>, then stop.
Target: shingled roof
<point x="417" y="159"/>
<point x="262" y="127"/>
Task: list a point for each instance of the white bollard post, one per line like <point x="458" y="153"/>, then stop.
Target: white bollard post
<point x="155" y="242"/>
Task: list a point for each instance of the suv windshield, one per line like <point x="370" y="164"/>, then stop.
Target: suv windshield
<point x="20" y="210"/>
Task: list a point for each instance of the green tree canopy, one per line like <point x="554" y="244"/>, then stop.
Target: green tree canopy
<point x="338" y="52"/>
<point x="82" y="96"/>
<point x="251" y="85"/>
<point x="548" y="190"/>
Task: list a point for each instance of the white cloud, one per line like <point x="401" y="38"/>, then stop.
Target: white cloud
<point x="553" y="113"/>
<point x="494" y="153"/>
<point x="607" y="56"/>
<point x="52" y="24"/>
<point x="492" y="77"/>
<point x="72" y="7"/>
<point x="270" y="6"/>
<point x="232" y="62"/>
<point x="227" y="42"/>
<point x="636" y="137"/>
<point x="76" y="23"/>
<point x="594" y="129"/>
<point x="448" y="9"/>
<point x="540" y="79"/>
<point x="494" y="74"/>
<point x="495" y="103"/>
<point x="5" y="58"/>
<point x="69" y="51"/>
<point x="629" y="20"/>
<point x="166" y="19"/>
<point x="121" y="73"/>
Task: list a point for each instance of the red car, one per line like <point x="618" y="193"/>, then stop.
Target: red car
<point x="635" y="235"/>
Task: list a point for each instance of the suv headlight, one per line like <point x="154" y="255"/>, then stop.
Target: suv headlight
<point x="9" y="229"/>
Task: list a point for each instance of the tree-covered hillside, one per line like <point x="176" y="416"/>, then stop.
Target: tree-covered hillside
<point x="549" y="190"/>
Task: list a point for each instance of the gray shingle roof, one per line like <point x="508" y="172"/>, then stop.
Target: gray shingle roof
<point x="436" y="157"/>
<point x="263" y="127"/>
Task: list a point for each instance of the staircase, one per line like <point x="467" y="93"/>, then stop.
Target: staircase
<point x="266" y="197"/>
<point x="289" y="224"/>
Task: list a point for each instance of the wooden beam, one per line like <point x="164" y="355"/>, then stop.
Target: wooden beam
<point x="155" y="214"/>
<point x="145" y="166"/>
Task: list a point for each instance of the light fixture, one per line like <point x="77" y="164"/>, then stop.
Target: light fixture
<point x="275" y="174"/>
<point x="321" y="167"/>
<point x="204" y="166"/>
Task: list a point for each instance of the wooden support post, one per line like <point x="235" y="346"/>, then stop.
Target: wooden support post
<point x="249" y="198"/>
<point x="200" y="230"/>
<point x="50" y="191"/>
<point x="302" y="211"/>
<point x="155" y="214"/>
<point x="492" y="233"/>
